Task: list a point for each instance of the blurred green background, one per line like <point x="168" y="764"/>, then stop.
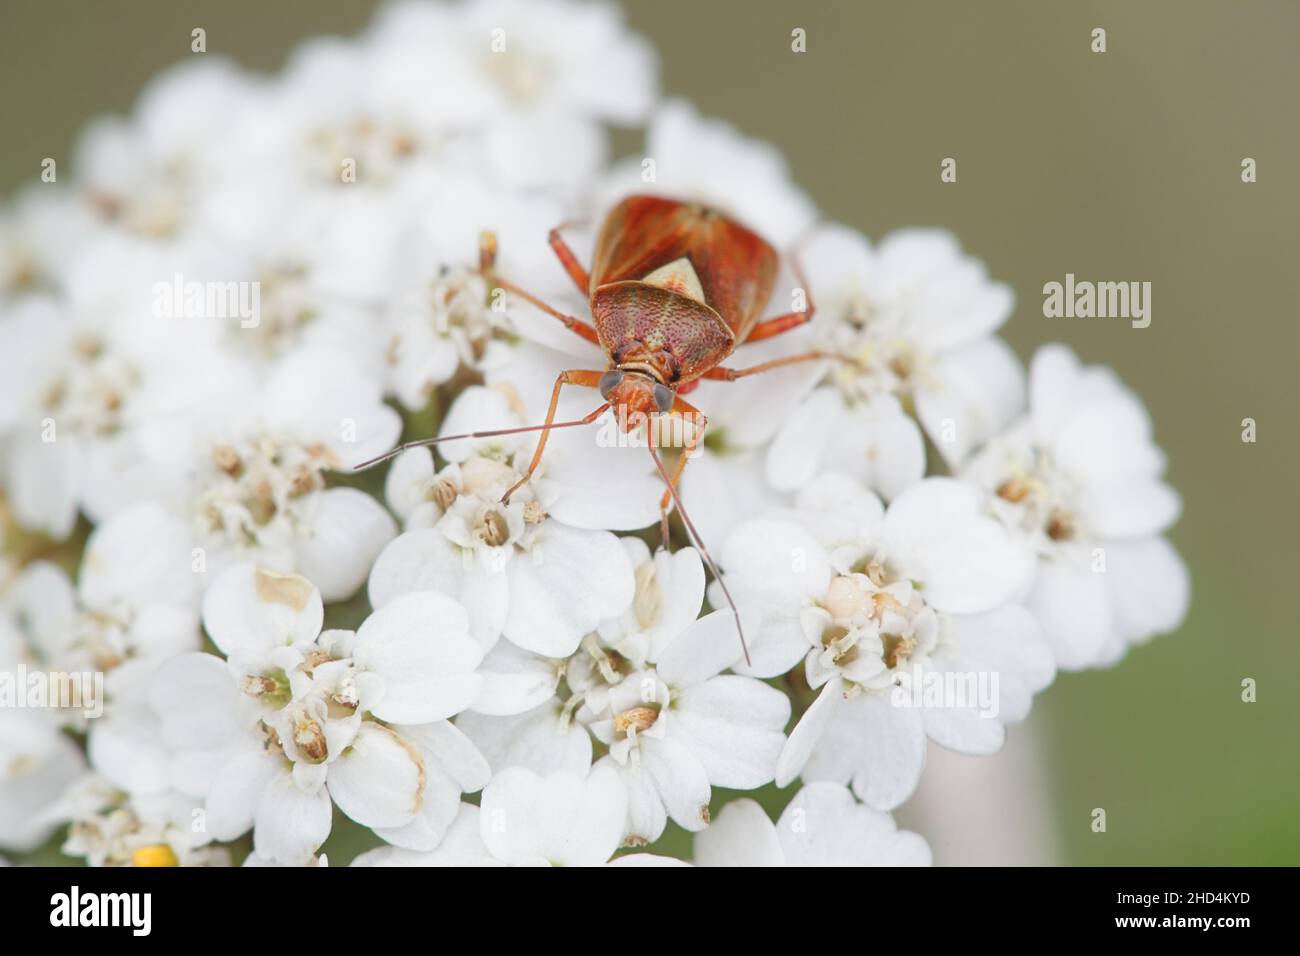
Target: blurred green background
<point x="1118" y="166"/>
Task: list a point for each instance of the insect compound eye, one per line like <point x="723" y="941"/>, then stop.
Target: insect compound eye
<point x="664" y="398"/>
<point x="609" y="381"/>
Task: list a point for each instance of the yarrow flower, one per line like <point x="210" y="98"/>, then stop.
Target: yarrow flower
<point x="872" y="598"/>
<point x="251" y="286"/>
<point x="1078" y="483"/>
<point x="296" y="717"/>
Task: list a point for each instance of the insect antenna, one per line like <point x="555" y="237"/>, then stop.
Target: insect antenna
<point x="699" y="545"/>
<point x="494" y="433"/>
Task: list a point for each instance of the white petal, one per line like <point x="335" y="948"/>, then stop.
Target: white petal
<point x="250" y="608"/>
<point x="40" y="765"/>
<point x="42" y="483"/>
<point x="43" y="598"/>
<point x="1107" y="440"/>
<point x="937" y="535"/>
<point x="419" y="644"/>
<point x="1009" y="643"/>
<point x="235" y="797"/>
<point x="345" y="533"/>
<point x="798" y="749"/>
<point x="646" y="816"/>
<point x="979" y="390"/>
<point x="1052" y="375"/>
<point x="742" y="835"/>
<point x="439" y="803"/>
<point x="1070" y="603"/>
<point x="680" y="780"/>
<point x="567" y="584"/>
<point x="881" y="745"/>
<point x="774" y="569"/>
<point x="426" y="561"/>
<point x="825" y="826"/>
<point x="563" y="819"/>
<point x="444" y="743"/>
<point x="838" y="510"/>
<point x="1129" y="508"/>
<point x="514" y="680"/>
<point x="735" y="727"/>
<point x="461" y="846"/>
<point x="126" y="746"/>
<point x="721" y="490"/>
<point x="963" y="730"/>
<point x="1148" y="586"/>
<point x="535" y="739"/>
<point x="197" y="699"/>
<point x="799" y="448"/>
<point x="703" y="650"/>
<point x="317" y="395"/>
<point x="379" y="780"/>
<point x="291" y="825"/>
<point x="407" y="483"/>
<point x="139" y="556"/>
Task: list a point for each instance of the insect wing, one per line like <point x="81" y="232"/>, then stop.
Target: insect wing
<point x="736" y="267"/>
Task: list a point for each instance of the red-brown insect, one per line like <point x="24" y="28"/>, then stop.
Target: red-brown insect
<point x="674" y="288"/>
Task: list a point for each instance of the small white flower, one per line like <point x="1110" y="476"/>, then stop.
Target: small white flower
<point x="297" y="719"/>
<point x="37" y="765"/>
<point x="872" y="598"/>
<point x="678" y="729"/>
<point x="649" y="688"/>
<point x="725" y="480"/>
<point x="823" y="825"/>
<point x="79" y="399"/>
<point x="538" y="582"/>
<point x="147" y="176"/>
<point x="133" y="609"/>
<point x="110" y="828"/>
<point x="259" y="492"/>
<point x="533" y="80"/>
<point x="1078" y="483"/>
<point x="914" y="320"/>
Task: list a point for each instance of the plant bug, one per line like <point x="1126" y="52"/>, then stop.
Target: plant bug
<point x="674" y="288"/>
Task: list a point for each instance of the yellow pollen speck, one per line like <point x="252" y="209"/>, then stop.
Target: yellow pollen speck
<point x="1014" y="490"/>
<point x="443" y="493"/>
<point x="227" y="459"/>
<point x="1060" y="525"/>
<point x="897" y="649"/>
<point x="495" y="530"/>
<point x="309" y="737"/>
<point x="638" y="718"/>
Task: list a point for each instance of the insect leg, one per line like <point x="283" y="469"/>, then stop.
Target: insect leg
<point x="570" y="261"/>
<point x="487" y="265"/>
<point x="700" y="422"/>
<point x="731" y="374"/>
<point x="791" y="320"/>
<point x="584" y="377"/>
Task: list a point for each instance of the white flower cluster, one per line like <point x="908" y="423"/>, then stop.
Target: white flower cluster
<point x="253" y="284"/>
